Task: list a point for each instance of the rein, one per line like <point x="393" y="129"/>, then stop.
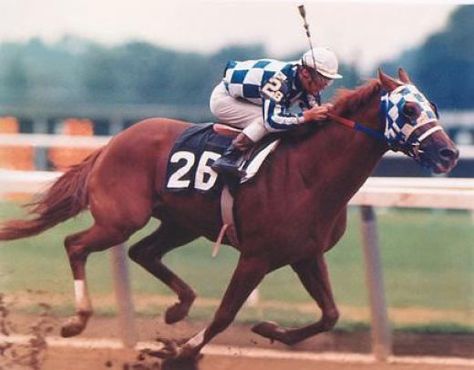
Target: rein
<point x="358" y="127"/>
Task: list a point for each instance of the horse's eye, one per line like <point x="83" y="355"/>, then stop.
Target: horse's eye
<point x="410" y="110"/>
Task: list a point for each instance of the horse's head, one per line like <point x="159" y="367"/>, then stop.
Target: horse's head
<point x="412" y="126"/>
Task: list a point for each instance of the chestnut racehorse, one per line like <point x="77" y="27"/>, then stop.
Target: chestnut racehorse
<point x="290" y="214"/>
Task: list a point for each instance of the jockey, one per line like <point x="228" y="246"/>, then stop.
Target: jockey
<point x="257" y="95"/>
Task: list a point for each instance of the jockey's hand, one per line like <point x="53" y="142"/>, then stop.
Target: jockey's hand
<point x="317" y="113"/>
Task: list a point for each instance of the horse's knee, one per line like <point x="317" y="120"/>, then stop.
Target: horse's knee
<point x="330" y="318"/>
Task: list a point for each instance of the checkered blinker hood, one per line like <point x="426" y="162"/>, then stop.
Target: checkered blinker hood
<point x="406" y="109"/>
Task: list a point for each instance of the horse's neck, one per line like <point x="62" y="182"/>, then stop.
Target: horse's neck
<point x="342" y="158"/>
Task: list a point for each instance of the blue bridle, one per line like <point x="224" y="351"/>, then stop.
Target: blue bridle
<point x="398" y="128"/>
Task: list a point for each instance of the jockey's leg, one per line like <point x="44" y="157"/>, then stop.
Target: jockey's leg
<point x="247" y="275"/>
<point x="233" y="157"/>
<point x="235" y="112"/>
<point x="78" y="248"/>
<point x="314" y="276"/>
<point x="148" y="253"/>
<point x="241" y="114"/>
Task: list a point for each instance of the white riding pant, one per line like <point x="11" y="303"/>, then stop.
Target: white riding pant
<point x="238" y="113"/>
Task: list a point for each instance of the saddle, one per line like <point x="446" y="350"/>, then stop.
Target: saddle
<point x="190" y="160"/>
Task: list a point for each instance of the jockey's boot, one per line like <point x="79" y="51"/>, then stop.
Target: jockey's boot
<point x="229" y="163"/>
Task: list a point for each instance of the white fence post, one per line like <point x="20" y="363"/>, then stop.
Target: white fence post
<point x="126" y="312"/>
<point x="381" y="333"/>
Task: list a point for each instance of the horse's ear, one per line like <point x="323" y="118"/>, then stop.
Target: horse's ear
<point x="403" y="75"/>
<point x="388" y="83"/>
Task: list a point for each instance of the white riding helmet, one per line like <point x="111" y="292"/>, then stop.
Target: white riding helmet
<point x="326" y="62"/>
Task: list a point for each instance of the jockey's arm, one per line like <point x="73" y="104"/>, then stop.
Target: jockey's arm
<point x="275" y="104"/>
<point x="277" y="117"/>
<point x="317" y="113"/>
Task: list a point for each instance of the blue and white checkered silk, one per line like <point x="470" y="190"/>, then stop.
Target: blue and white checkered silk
<point x="246" y="79"/>
<point x="398" y="127"/>
<point x="271" y="84"/>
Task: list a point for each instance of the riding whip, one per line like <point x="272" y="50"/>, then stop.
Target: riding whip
<point x="302" y="11"/>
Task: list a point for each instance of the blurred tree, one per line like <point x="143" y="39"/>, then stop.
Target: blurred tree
<point x="98" y="75"/>
<point x="74" y="71"/>
<point x="16" y="78"/>
<point x="444" y="63"/>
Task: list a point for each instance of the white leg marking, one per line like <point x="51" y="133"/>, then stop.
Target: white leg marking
<point x="196" y="340"/>
<point x="82" y="295"/>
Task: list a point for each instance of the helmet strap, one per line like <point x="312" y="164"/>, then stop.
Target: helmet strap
<point x="313" y="73"/>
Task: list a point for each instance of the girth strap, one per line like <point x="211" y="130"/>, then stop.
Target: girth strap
<point x="228" y="224"/>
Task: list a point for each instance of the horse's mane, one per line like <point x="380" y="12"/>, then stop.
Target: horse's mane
<point x="347" y="102"/>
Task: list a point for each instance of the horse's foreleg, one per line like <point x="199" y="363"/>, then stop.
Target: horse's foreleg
<point x="247" y="275"/>
<point x="78" y="248"/>
<point x="314" y="276"/>
<point x="148" y="253"/>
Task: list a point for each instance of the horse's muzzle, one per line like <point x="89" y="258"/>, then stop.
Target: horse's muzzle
<point x="439" y="153"/>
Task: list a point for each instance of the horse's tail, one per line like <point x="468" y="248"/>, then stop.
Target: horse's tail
<point x="66" y="198"/>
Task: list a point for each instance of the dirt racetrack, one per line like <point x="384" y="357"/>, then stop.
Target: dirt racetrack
<point x="238" y="349"/>
<point x="67" y="359"/>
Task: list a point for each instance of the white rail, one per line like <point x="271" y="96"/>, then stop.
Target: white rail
<point x="60" y="141"/>
<point x="447" y="193"/>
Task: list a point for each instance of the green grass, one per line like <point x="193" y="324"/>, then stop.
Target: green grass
<point x="428" y="260"/>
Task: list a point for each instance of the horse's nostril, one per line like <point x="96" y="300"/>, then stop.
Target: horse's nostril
<point x="449" y="153"/>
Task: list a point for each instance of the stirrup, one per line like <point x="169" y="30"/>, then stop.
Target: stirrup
<point x="226" y="167"/>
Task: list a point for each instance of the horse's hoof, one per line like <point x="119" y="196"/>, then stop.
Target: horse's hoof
<point x="272" y="331"/>
<point x="176" y="312"/>
<point x="164" y="353"/>
<point x="267" y="329"/>
<point x="173" y="350"/>
<point x="74" y="325"/>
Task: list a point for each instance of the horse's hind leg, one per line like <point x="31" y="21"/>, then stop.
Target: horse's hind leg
<point x="314" y="276"/>
<point x="78" y="248"/>
<point x="148" y="253"/>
